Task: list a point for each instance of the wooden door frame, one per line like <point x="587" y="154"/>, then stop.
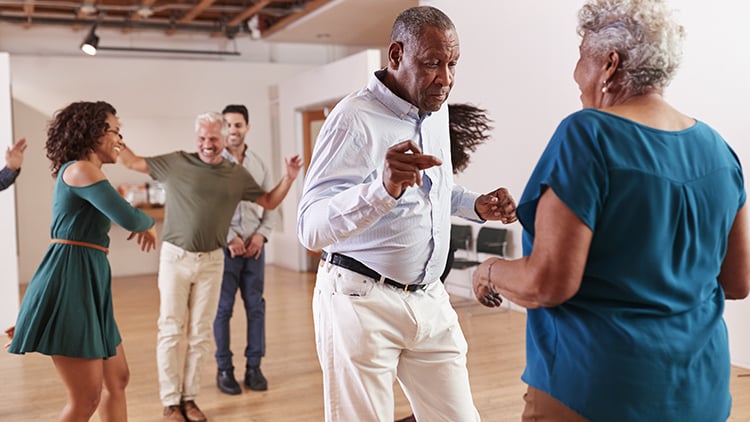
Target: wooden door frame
<point x="309" y="116"/>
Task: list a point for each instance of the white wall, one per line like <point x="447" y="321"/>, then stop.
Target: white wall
<point x="156" y="100"/>
<point x="711" y="86"/>
<point x="517" y="60"/>
<point x="8" y="252"/>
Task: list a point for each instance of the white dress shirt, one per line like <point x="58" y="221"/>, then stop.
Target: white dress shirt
<point x="250" y="218"/>
<point x="345" y="207"/>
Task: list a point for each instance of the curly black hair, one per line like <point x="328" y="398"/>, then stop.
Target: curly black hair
<point x="469" y="127"/>
<point x="74" y="131"/>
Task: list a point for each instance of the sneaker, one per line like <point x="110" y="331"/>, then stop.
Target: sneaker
<point x="255" y="380"/>
<point x="172" y="414"/>
<point x="227" y="383"/>
<point x="192" y="412"/>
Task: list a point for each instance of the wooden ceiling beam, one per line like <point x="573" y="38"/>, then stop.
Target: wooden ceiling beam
<point x="135" y="16"/>
<point x="288" y="20"/>
<point x="28" y="10"/>
<point x="245" y="14"/>
<point x="248" y="13"/>
<point x="195" y="11"/>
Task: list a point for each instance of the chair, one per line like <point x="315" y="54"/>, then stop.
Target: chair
<point x="460" y="236"/>
<point x="490" y="240"/>
<point x="461" y="240"/>
<point x="493" y="241"/>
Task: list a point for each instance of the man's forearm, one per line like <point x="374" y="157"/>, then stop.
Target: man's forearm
<point x="271" y="200"/>
<point x="132" y="161"/>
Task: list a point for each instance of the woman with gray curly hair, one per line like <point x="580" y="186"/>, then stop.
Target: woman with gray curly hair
<point x="635" y="234"/>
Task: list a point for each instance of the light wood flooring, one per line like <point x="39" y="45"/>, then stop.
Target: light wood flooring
<point x="31" y="391"/>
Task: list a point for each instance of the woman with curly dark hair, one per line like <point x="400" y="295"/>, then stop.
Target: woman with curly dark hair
<point x="469" y="127"/>
<point x="67" y="312"/>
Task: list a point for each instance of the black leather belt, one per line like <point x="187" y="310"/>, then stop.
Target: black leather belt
<point x="352" y="264"/>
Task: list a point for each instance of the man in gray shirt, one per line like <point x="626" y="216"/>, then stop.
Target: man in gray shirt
<point x="244" y="264"/>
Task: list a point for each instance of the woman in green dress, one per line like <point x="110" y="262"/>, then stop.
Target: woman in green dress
<point x="66" y="312"/>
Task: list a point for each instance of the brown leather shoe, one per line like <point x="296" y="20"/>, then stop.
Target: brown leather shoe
<point x="192" y="412"/>
<point x="173" y="414"/>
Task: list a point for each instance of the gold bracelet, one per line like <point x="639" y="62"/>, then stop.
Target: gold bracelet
<point x="489" y="281"/>
<point x="492" y="297"/>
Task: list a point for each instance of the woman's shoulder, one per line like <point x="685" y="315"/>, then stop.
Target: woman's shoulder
<point x="582" y="123"/>
<point x="591" y="124"/>
<point x="81" y="173"/>
<point x="587" y="116"/>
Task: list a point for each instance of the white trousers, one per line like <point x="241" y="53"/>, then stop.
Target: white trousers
<point x="189" y="288"/>
<point x="369" y="335"/>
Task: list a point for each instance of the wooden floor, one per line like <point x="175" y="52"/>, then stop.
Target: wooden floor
<point x="31" y="390"/>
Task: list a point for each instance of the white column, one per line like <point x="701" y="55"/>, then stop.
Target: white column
<point x="9" y="243"/>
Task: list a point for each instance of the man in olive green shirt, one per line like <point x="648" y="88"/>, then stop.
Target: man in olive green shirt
<point x="202" y="192"/>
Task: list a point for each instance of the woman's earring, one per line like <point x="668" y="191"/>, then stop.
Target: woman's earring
<point x="604" y="87"/>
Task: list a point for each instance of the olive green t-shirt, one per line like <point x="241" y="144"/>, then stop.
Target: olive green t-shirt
<point x="200" y="198"/>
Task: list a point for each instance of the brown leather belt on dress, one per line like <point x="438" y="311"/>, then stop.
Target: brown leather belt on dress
<point x="352" y="264"/>
<point x="79" y="243"/>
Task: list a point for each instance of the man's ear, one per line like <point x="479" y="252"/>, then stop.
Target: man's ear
<point x="395" y="54"/>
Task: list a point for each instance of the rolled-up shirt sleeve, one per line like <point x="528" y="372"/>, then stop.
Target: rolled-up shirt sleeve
<point x="7" y="177"/>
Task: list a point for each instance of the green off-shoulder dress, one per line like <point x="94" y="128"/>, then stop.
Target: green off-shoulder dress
<point x="67" y="308"/>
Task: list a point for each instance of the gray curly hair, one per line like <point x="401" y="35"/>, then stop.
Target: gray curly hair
<point x="642" y="32"/>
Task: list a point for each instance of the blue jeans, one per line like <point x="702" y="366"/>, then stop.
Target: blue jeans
<point x="247" y="275"/>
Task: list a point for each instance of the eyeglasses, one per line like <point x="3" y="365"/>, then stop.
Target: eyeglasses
<point x="115" y="132"/>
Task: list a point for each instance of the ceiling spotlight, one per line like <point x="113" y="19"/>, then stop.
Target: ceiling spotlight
<point x="253" y="24"/>
<point x="87" y="8"/>
<point x="91" y="42"/>
<point x="145" y="12"/>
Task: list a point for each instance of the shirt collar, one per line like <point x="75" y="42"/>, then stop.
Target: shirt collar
<point x="228" y="155"/>
<point x="391" y="101"/>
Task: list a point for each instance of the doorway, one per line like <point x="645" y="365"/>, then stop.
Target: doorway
<point x="312" y="122"/>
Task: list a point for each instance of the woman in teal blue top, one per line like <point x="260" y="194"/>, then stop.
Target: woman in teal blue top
<point x="66" y="312"/>
<point x="635" y="233"/>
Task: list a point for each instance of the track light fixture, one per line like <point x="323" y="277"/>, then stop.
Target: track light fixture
<point x="90" y="46"/>
<point x="170" y="51"/>
<point x="91" y="42"/>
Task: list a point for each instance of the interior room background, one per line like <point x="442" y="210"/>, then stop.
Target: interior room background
<point x="517" y="60"/>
